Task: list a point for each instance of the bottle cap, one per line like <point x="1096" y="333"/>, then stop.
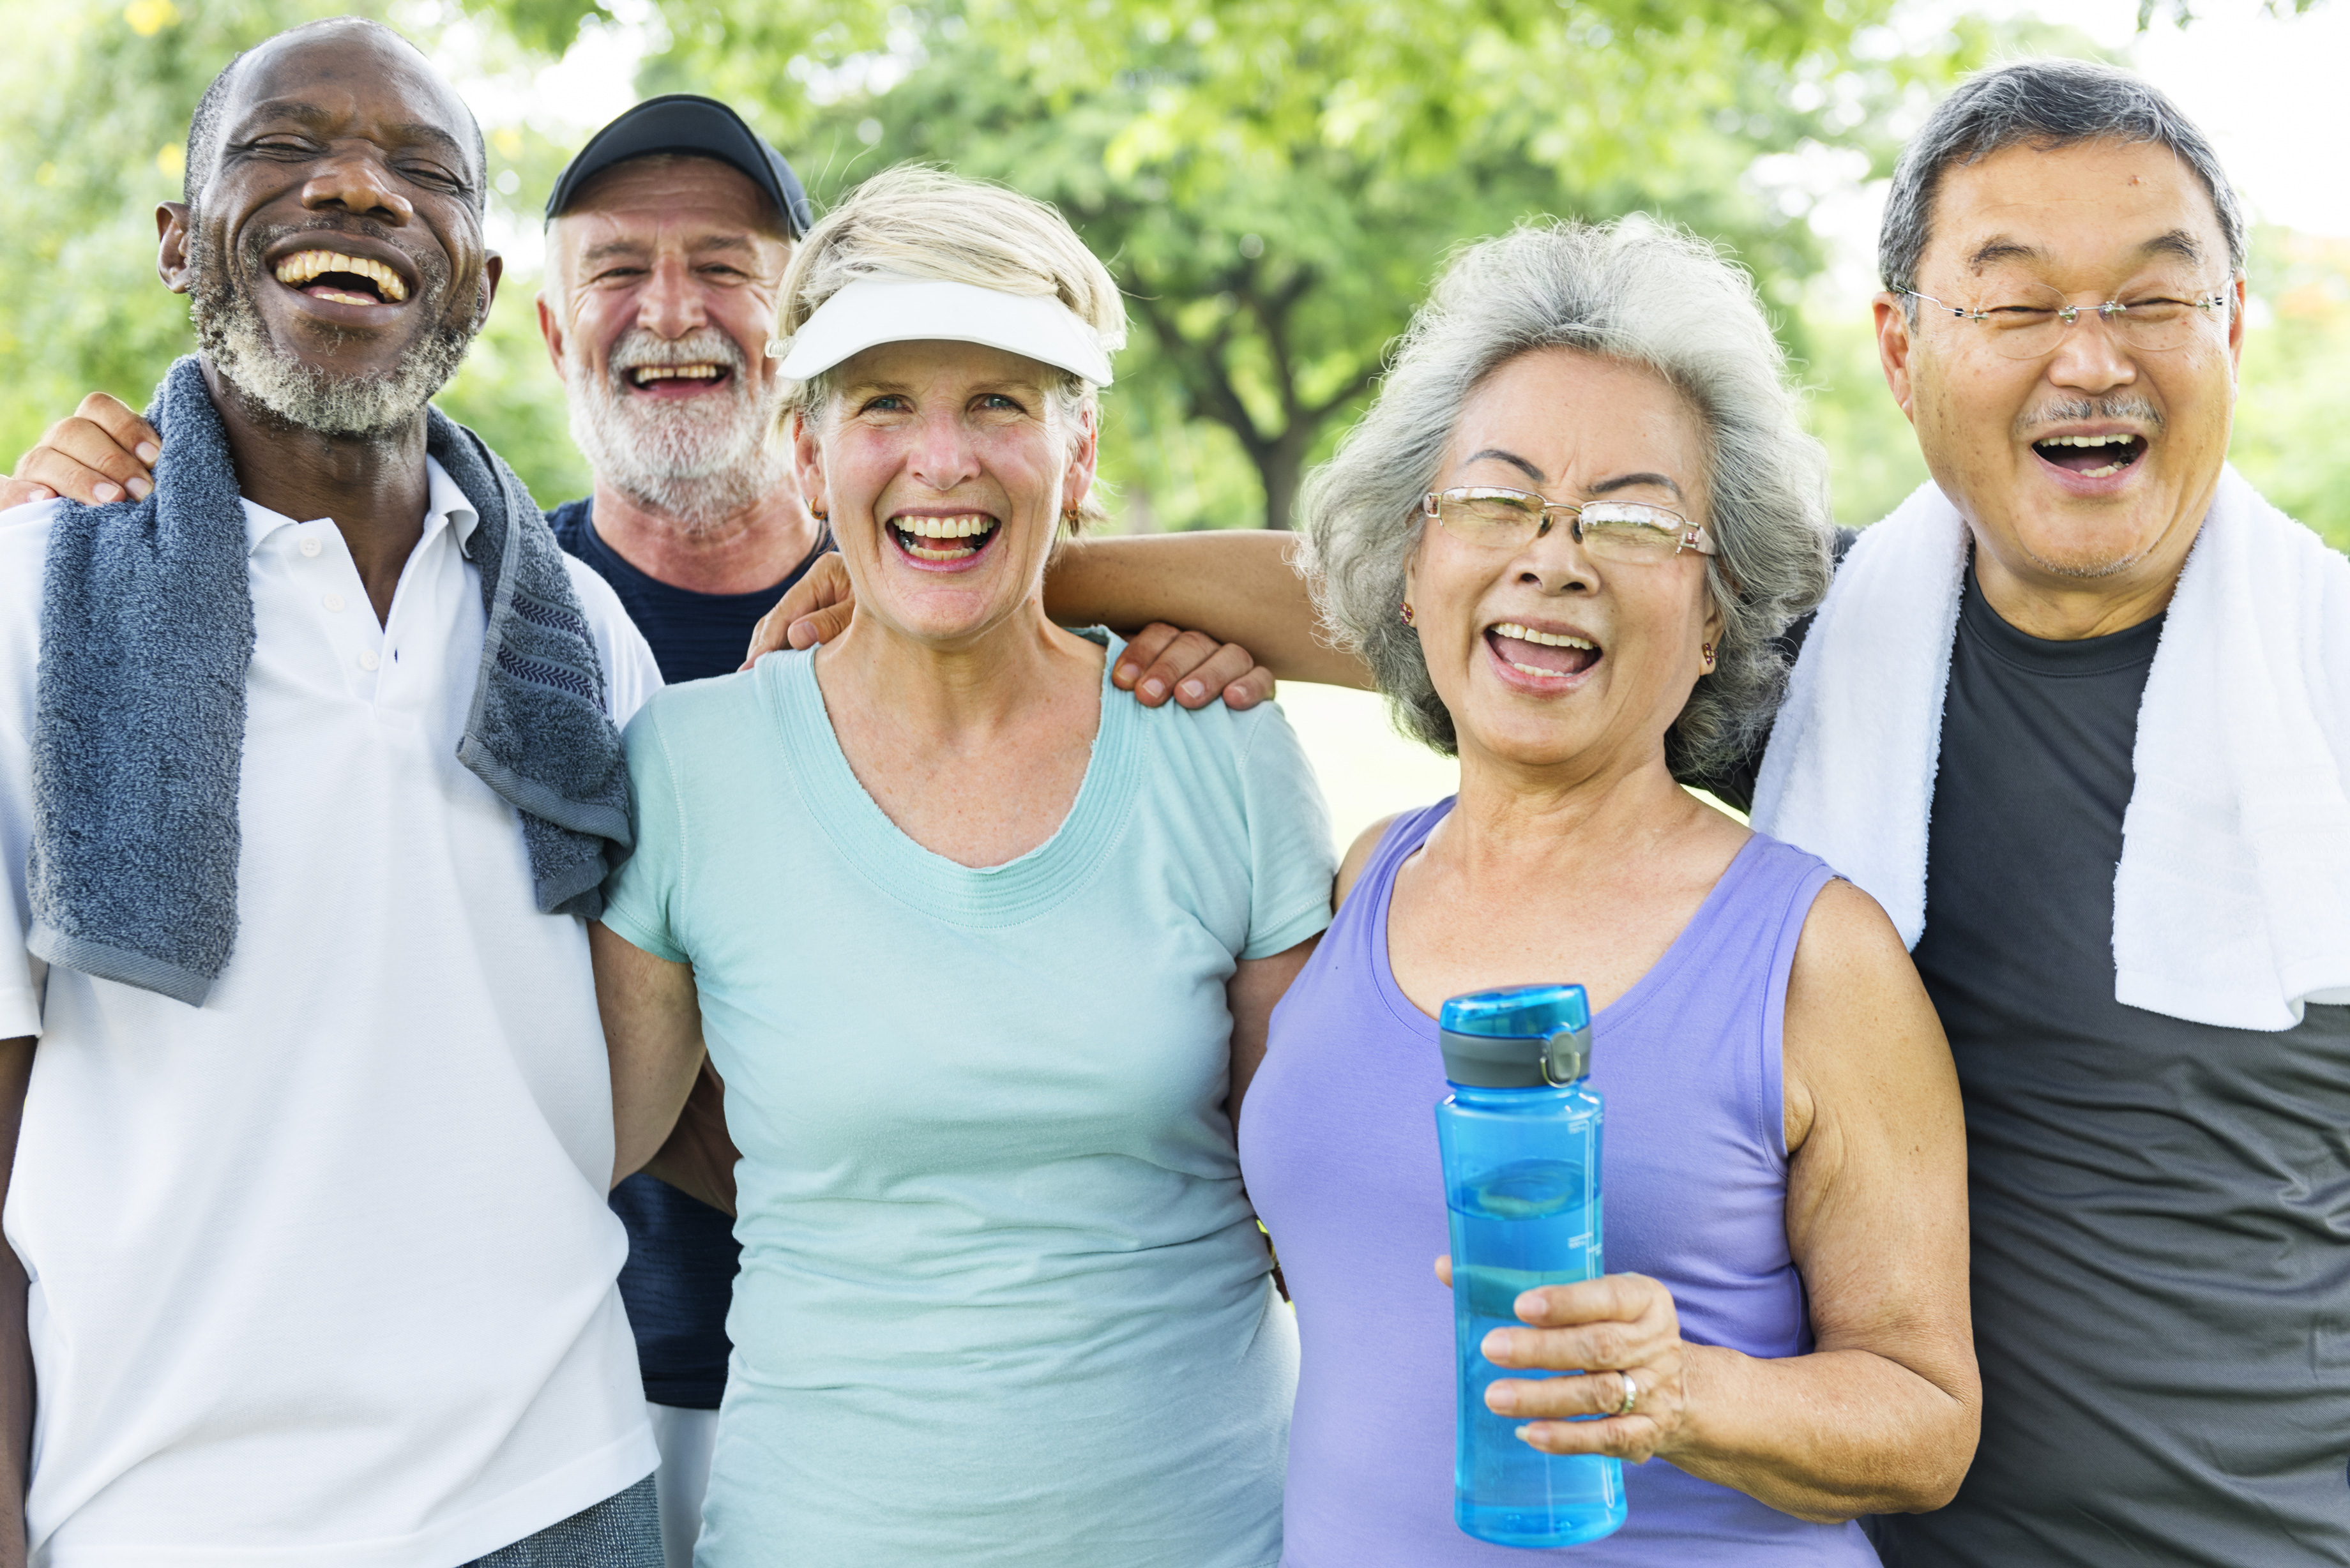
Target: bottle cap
<point x="1517" y="1037"/>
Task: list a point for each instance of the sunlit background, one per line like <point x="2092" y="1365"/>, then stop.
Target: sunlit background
<point x="1274" y="183"/>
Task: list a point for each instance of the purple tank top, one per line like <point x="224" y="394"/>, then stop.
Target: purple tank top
<point x="1338" y="1150"/>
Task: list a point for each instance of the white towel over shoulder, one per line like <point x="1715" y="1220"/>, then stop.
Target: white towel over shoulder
<point x="2232" y="903"/>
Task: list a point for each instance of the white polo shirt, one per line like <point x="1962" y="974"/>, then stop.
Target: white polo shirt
<point x="323" y="1270"/>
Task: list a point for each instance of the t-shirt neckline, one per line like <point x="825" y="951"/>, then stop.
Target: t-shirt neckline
<point x="974" y="895"/>
<point x="2130" y="647"/>
<point x="1635" y="998"/>
<point x="608" y="560"/>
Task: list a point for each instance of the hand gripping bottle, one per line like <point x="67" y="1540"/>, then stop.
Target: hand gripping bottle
<point x="1520" y="1139"/>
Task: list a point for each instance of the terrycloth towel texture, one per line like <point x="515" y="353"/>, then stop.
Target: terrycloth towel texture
<point x="139" y="724"/>
<point x="2232" y="903"/>
<point x="622" y="1532"/>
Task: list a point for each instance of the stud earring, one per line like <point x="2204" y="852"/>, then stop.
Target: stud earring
<point x="1708" y="658"/>
<point x="1407" y="612"/>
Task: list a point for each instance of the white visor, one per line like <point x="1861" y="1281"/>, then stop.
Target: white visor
<point x="922" y="309"/>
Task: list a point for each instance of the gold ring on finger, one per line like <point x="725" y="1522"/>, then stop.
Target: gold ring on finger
<point x="1632" y="1395"/>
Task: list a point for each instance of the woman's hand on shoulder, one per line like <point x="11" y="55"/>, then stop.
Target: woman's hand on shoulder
<point x="1621" y="1334"/>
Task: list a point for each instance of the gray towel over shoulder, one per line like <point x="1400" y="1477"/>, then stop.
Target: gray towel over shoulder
<point x="137" y="737"/>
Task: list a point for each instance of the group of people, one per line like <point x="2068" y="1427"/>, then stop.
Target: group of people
<point x="493" y="1083"/>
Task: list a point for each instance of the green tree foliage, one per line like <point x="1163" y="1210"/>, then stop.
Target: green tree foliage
<point x="2182" y="12"/>
<point x="96" y="103"/>
<point x="1274" y="184"/>
<point x="2296" y="398"/>
<point x="94" y="106"/>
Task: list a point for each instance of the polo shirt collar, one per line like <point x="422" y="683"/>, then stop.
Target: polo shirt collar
<point x="444" y="506"/>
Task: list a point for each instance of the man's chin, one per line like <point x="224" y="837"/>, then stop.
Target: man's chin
<point x="2088" y="549"/>
<point x="298" y="390"/>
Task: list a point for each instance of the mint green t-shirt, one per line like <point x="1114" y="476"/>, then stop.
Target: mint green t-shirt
<point x="1003" y="1299"/>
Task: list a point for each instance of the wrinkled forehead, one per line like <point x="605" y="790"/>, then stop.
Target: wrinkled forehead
<point x="351" y="80"/>
<point x="1566" y="422"/>
<point x="2096" y="206"/>
<point x="701" y="205"/>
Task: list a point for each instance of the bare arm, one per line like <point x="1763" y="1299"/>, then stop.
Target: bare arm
<point x="1883" y="1416"/>
<point x="699" y="1157"/>
<point x="1238" y="585"/>
<point x="1160" y="662"/>
<point x="1256" y="987"/>
<point x="16" y="1348"/>
<point x="653" y="1034"/>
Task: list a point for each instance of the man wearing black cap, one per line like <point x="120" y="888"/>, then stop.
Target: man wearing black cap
<point x="667" y="237"/>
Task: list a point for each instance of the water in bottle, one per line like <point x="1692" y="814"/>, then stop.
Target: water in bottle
<point x="1520" y="1139"/>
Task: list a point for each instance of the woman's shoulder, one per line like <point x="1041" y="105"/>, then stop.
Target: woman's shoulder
<point x="1764" y="863"/>
<point x="713" y="712"/>
<point x="1848" y="961"/>
<point x="1218" y="740"/>
<point x="1383" y="839"/>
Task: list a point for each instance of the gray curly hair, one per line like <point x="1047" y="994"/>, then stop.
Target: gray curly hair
<point x="1633" y="291"/>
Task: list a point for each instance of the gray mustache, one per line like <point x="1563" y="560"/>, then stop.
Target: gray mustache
<point x="638" y="347"/>
<point x="2120" y="406"/>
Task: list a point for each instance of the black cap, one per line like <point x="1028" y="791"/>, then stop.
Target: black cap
<point x="685" y="123"/>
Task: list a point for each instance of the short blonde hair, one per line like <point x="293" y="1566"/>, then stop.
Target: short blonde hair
<point x="914" y="221"/>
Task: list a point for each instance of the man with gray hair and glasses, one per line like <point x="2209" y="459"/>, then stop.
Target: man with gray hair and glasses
<point x="2078" y="716"/>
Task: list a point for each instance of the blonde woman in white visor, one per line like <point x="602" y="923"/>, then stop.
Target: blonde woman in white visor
<point x="985" y="954"/>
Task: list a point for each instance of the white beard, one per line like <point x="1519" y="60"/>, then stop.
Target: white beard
<point x="696" y="460"/>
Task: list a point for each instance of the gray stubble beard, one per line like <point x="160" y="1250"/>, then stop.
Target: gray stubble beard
<point x="233" y="335"/>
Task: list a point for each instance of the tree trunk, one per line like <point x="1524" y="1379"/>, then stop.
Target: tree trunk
<point x="1281" y="465"/>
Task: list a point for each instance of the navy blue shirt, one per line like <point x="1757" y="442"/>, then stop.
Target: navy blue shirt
<point x="682" y="1255"/>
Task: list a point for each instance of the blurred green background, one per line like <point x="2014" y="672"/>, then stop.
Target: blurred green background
<point x="1274" y="183"/>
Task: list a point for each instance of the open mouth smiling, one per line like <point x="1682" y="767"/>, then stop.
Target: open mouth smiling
<point x="950" y="541"/>
<point x="2091" y="456"/>
<point x="1540" y="657"/>
<point x="676" y="380"/>
<point x="338" y="277"/>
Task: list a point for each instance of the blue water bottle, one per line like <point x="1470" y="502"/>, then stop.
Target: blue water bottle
<point x="1520" y="1139"/>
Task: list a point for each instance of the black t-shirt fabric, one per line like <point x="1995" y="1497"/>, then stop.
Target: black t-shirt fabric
<point x="2161" y="1209"/>
<point x="680" y="1274"/>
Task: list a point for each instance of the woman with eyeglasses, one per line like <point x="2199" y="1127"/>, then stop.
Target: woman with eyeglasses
<point x="1564" y="541"/>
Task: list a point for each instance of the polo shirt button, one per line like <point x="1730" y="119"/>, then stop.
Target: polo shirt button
<point x="333" y="601"/>
<point x="367" y="661"/>
<point x="310" y="546"/>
